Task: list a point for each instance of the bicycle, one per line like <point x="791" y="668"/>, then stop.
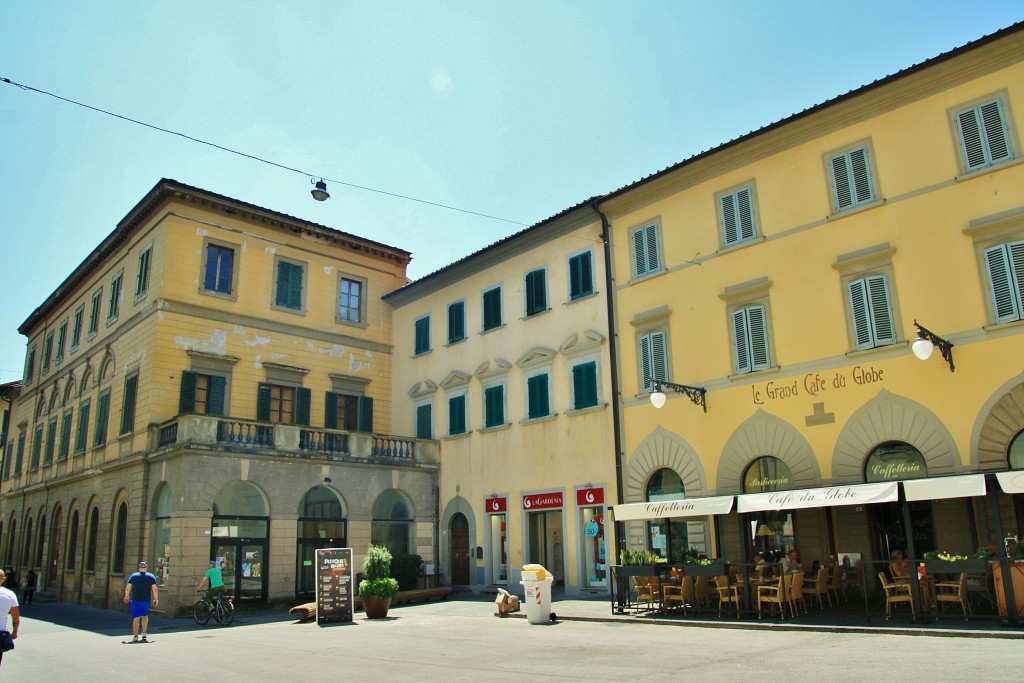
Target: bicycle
<point x="222" y="608"/>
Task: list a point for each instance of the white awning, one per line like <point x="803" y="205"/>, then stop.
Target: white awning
<point x="1011" y="482"/>
<point x="963" y="486"/>
<point x="686" y="507"/>
<point x="858" y="494"/>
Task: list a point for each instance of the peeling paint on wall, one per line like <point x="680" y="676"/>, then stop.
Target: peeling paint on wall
<point x="336" y="351"/>
<point x="217" y="343"/>
<point x="355" y="365"/>
<point x="278" y="356"/>
<point x="270" y="250"/>
<point x="202" y="232"/>
<point x="328" y="270"/>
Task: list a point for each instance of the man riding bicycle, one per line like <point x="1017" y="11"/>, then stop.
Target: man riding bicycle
<point x="214" y="578"/>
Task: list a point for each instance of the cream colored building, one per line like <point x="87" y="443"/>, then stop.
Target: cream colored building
<point x="503" y="356"/>
<point x="783" y="273"/>
<point x="213" y="381"/>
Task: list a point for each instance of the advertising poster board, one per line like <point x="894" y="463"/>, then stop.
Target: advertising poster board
<point x="334" y="587"/>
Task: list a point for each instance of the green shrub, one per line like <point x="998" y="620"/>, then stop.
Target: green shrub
<point x="377" y="573"/>
<point x="406" y="567"/>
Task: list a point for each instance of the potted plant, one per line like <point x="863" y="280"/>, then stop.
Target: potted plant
<point x="703" y="566"/>
<point x="633" y="563"/>
<point x="377" y="587"/>
<point x="938" y="562"/>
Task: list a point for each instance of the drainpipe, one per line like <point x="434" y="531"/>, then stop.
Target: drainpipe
<point x="613" y="368"/>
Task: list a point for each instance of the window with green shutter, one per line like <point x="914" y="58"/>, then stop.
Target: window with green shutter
<point x="47" y="351"/>
<point x="983" y="137"/>
<point x="653" y="359"/>
<point x="581" y="275"/>
<point x="537" y="404"/>
<point x="51" y="441"/>
<point x="872" y="313"/>
<point x="494" y="406"/>
<point x="457" y="415"/>
<point x="202" y="393"/>
<point x="422" y="335"/>
<point x="114" y="305"/>
<point x="37" y="449"/>
<point x="142" y="274"/>
<point x="646" y="250"/>
<point x="584" y="385"/>
<point x="82" y="436"/>
<point x="131" y="385"/>
<point x="737" y="209"/>
<point x="65" y="436"/>
<point x="851" y="179"/>
<point x="536" y="292"/>
<point x="456" y="321"/>
<point x="1006" y="280"/>
<point x="76" y="328"/>
<point x="750" y="337"/>
<point x="62" y="338"/>
<point x="94" y="312"/>
<point x="492" y="308"/>
<point x="424" y="421"/>
<point x="21" y="454"/>
<point x="102" y="417"/>
<point x="288" y="288"/>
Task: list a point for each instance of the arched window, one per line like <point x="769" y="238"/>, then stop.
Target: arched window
<point x="392" y="524"/>
<point x="73" y="541"/>
<point x="766" y="474"/>
<point x="1015" y="454"/>
<point x="92" y="535"/>
<point x="120" y="538"/>
<point x="772" y="531"/>
<point x="27" y="555"/>
<point x="667" y="537"/>
<point x="41" y="542"/>
<point x="242" y="499"/>
<point x="894" y="460"/>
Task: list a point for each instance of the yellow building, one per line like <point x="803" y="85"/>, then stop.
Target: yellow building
<point x="783" y="273"/>
<point x="503" y="357"/>
<point x="212" y="381"/>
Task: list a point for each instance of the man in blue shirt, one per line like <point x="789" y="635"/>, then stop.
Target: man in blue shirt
<point x="139" y="592"/>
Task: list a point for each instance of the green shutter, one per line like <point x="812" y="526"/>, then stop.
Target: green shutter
<point x="102" y="418"/>
<point x="187" y="394"/>
<point x="494" y="406"/>
<point x="263" y="402"/>
<point x="424" y="420"/>
<point x="366" y="414"/>
<point x="216" y="395"/>
<point x="51" y="439"/>
<point x="492" y="308"/>
<point x="584" y="385"/>
<point x="83" y="428"/>
<point x="537" y="395"/>
<point x="128" y="404"/>
<point x="303" y="396"/>
<point x="330" y="410"/>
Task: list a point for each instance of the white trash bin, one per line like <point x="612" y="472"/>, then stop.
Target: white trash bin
<point x="537" y="584"/>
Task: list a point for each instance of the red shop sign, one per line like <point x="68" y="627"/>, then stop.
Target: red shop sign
<point x="543" y="501"/>
<point x="590" y="497"/>
<point x="496" y="505"/>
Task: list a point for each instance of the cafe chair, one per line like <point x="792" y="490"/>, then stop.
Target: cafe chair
<point x="978" y="585"/>
<point x="701" y="591"/>
<point x="678" y="596"/>
<point x="851" y="579"/>
<point x="728" y="594"/>
<point x="773" y="594"/>
<point x="836" y="584"/>
<point x="648" y="590"/>
<point x="819" y="586"/>
<point x="796" y="594"/>
<point x="953" y="591"/>
<point x="894" y="593"/>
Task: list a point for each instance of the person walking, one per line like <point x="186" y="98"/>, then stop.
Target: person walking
<point x="30" y="587"/>
<point x="139" y="593"/>
<point x="8" y="605"/>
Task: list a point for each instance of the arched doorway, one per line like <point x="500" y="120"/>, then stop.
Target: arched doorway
<point x="321" y="525"/>
<point x="892" y="461"/>
<point x="458" y="535"/>
<point x="241" y="523"/>
<point x="772" y="532"/>
<point x="669" y="538"/>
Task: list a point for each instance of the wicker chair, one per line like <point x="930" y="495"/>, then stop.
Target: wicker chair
<point x="895" y="593"/>
<point x="648" y="590"/>
<point x="728" y="594"/>
<point x="953" y="591"/>
<point x="774" y="594"/>
<point x="796" y="594"/>
<point x="819" y="586"/>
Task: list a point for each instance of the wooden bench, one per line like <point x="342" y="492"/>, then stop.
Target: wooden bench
<point x="307" y="611"/>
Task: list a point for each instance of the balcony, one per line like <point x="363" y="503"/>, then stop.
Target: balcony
<point x="250" y="436"/>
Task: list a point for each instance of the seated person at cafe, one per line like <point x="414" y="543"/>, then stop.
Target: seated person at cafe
<point x="791" y="562"/>
<point x="898" y="566"/>
<point x="761" y="568"/>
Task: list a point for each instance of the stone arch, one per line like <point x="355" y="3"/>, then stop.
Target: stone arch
<point x="456" y="505"/>
<point x="766" y="434"/>
<point x="1000" y="419"/>
<point x="888" y="417"/>
<point x="663" y="448"/>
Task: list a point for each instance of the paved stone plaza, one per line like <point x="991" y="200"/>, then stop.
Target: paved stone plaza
<point x="462" y="640"/>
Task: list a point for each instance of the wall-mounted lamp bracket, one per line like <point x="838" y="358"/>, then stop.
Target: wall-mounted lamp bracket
<point x="696" y="394"/>
<point x="926" y="341"/>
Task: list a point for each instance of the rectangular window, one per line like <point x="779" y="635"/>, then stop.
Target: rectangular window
<point x="37" y="449"/>
<point x="737" y="217"/>
<point x="219" y="269"/>
<point x="114" y="306"/>
<point x="350" y="300"/>
<point x="536" y="292"/>
<point x="983" y="138"/>
<point x="584" y="385"/>
<point x="81" y="438"/>
<point x="30" y="365"/>
<point x="94" y="312"/>
<point x="457" y="415"/>
<point x="21" y="454"/>
<point x="342" y="411"/>
<point x="492" y="308"/>
<point x="76" y="327"/>
<point x="750" y="337"/>
<point x="62" y="339"/>
<point x="203" y="394"/>
<point x="65" y="436"/>
<point x="456" y="321"/>
<point x="131" y="386"/>
<point x="646" y="251"/>
<point x="102" y="417"/>
<point x="283" y="404"/>
<point x="424" y="421"/>
<point x="494" y="406"/>
<point x="142" y="276"/>
<point x="537" y="404"/>
<point x="872" y="314"/>
<point x="653" y="359"/>
<point x="581" y="275"/>
<point x="851" y="179"/>
<point x="1006" y="280"/>
<point x="8" y="459"/>
<point x="51" y="441"/>
<point x="47" y="351"/>
<point x="422" y="335"/>
<point x="289" y="285"/>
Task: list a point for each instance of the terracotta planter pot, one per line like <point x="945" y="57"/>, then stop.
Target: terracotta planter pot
<point x="376" y="608"/>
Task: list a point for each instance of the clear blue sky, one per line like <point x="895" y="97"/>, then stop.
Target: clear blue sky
<point x="516" y="109"/>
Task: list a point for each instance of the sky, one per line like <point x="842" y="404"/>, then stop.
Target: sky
<point x="511" y="109"/>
